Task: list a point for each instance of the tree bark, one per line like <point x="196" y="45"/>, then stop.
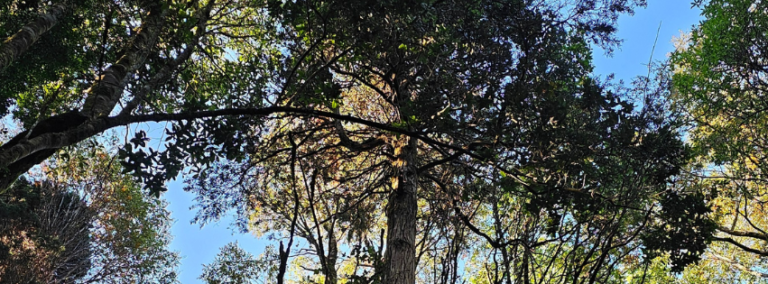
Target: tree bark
<point x="329" y="265"/>
<point x="400" y="256"/>
<point x="13" y="47"/>
<point x="104" y="94"/>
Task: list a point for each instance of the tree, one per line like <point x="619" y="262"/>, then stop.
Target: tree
<point x="45" y="235"/>
<point x="37" y="143"/>
<point x="130" y="230"/>
<point x="298" y="158"/>
<point x="719" y="82"/>
<point x="447" y="100"/>
<point x="236" y="266"/>
<point x="40" y="35"/>
<point x="95" y="228"/>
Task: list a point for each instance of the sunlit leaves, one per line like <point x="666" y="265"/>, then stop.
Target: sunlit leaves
<point x="719" y="83"/>
<point x="234" y="265"/>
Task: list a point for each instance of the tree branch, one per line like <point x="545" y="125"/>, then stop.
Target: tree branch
<point x="106" y="92"/>
<point x="13" y="47"/>
<point x="743" y="234"/>
<point x="741" y="246"/>
<point x="165" y="73"/>
<point x="55" y="140"/>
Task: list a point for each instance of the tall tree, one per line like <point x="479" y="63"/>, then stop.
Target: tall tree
<point x="552" y="135"/>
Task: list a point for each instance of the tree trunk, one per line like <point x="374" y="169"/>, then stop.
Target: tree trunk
<point x="13" y="47"/>
<point x="400" y="256"/>
<point x="329" y="265"/>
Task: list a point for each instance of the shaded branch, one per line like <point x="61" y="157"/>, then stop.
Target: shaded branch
<point x="165" y="73"/>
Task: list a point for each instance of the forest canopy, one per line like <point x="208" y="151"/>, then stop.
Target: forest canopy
<point x="391" y="141"/>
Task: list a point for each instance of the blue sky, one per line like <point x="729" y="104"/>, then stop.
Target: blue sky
<point x="639" y="33"/>
<point x="199" y="246"/>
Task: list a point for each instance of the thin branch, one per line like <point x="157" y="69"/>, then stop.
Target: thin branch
<point x="741" y="246"/>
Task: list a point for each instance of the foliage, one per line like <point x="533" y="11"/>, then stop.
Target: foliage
<point x="44" y="236"/>
<point x="719" y="83"/>
<point x="85" y="228"/>
<point x="564" y="147"/>
<point x="376" y="141"/>
<point x="63" y="57"/>
<point x="686" y="233"/>
<point x="236" y="266"/>
<point x="131" y="230"/>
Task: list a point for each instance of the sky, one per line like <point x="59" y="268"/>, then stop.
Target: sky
<point x="199" y="246"/>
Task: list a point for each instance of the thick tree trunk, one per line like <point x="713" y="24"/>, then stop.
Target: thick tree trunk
<point x="13" y="47"/>
<point x="400" y="256"/>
